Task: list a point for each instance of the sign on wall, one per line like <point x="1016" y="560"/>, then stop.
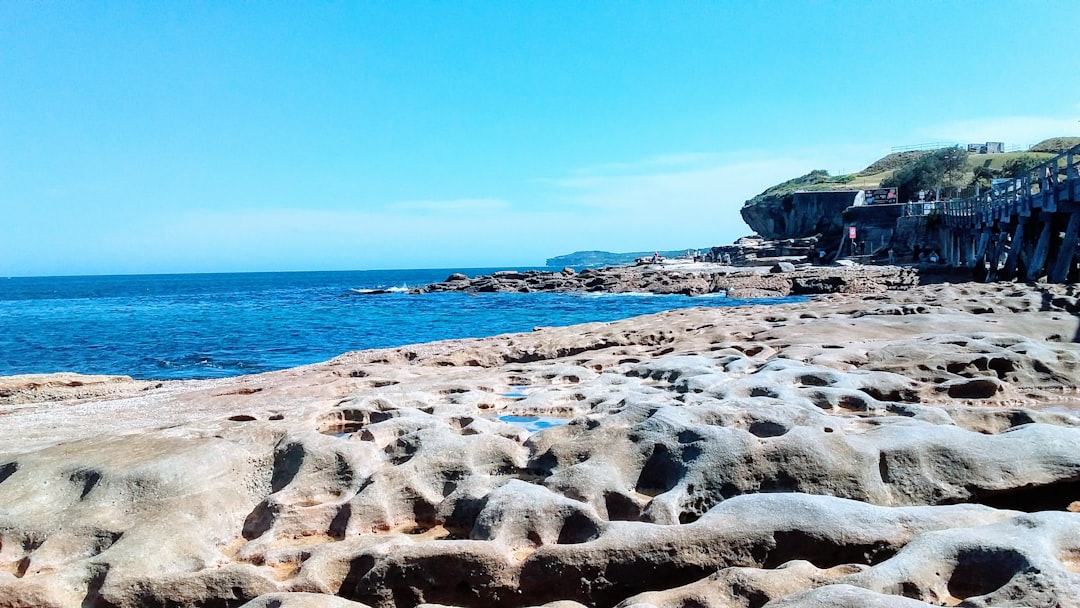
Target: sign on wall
<point x="880" y="196"/>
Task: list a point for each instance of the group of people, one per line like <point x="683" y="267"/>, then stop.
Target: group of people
<point x="918" y="254"/>
<point x="722" y="258"/>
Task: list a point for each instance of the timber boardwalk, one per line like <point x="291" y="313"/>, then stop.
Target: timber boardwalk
<point x="1027" y="228"/>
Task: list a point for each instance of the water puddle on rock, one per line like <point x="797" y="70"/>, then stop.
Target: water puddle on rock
<point x="517" y="392"/>
<point x="534" y="424"/>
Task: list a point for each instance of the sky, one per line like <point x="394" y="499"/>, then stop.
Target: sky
<point x="172" y="137"/>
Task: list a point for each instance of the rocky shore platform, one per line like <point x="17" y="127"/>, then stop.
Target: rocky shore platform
<point x="902" y="449"/>
<point x="693" y="278"/>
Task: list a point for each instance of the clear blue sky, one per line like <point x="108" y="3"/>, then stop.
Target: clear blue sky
<point x="140" y="137"/>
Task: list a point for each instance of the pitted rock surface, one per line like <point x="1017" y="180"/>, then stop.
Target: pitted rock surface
<point x="693" y="279"/>
<point x="915" y="448"/>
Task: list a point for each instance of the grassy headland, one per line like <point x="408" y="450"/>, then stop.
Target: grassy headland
<point x="977" y="167"/>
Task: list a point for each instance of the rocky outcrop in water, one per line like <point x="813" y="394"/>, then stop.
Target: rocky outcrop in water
<point x="908" y="449"/>
<point x="691" y="279"/>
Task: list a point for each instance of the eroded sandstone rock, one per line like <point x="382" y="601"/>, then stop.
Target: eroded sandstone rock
<point x="894" y="449"/>
<point x="692" y="279"/>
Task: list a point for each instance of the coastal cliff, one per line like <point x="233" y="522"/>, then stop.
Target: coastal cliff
<point x="786" y="211"/>
<point x="813" y="205"/>
<point x="905" y="448"/>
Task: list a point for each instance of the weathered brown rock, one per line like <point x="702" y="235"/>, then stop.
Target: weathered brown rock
<point x="885" y="449"/>
<point x="694" y="279"/>
<point x="31" y="388"/>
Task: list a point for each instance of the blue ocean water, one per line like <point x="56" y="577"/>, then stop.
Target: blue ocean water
<point x="217" y="325"/>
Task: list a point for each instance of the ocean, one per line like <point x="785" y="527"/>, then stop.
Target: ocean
<point x="218" y="325"/>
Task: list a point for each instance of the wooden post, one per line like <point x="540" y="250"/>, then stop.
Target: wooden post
<point x="980" y="250"/>
<point x="991" y="262"/>
<point x="1027" y="251"/>
<point x="1014" y="250"/>
<point x="1050" y="179"/>
<point x="1067" y="252"/>
<point x="1073" y="177"/>
<point x="1038" y="258"/>
<point x="1003" y="243"/>
<point x="997" y="250"/>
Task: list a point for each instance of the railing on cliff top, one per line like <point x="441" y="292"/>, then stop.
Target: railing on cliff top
<point x="1038" y="189"/>
<point x="934" y="145"/>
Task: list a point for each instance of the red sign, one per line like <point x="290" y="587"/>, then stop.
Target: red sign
<point x="851" y="232"/>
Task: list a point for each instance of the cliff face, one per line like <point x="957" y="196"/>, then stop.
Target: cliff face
<point x="801" y="207"/>
<point x="798" y="214"/>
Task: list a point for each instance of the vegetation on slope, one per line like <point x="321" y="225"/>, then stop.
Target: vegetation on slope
<point x="916" y="170"/>
<point x="950" y="172"/>
<point x="818" y="179"/>
<point x="945" y="167"/>
<point x="892" y="162"/>
<point x="1055" y="145"/>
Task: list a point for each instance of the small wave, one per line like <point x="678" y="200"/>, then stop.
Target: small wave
<point x="378" y="290"/>
<point x="624" y="294"/>
<point x="717" y="295"/>
<point x="646" y="294"/>
<point x="201" y="365"/>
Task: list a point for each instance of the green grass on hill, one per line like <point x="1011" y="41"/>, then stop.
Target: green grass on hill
<point x="892" y="162"/>
<point x="815" y="180"/>
<point x="872" y="176"/>
<point x="995" y="161"/>
<point x="1056" y="145"/>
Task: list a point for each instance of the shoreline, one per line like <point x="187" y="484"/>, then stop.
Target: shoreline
<point x="668" y="278"/>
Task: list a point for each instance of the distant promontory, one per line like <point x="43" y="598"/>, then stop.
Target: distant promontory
<point x="591" y="259"/>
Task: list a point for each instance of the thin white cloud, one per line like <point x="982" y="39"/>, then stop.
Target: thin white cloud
<point x="708" y="184"/>
<point x="451" y="207"/>
<point x="660" y="162"/>
<point x="685" y="200"/>
<point x="1021" y="131"/>
<point x="667" y="190"/>
<point x="312" y="238"/>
